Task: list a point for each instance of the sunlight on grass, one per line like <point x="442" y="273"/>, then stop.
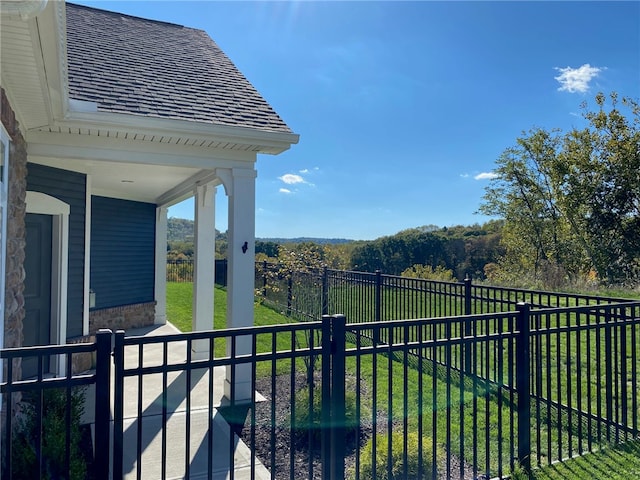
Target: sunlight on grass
<point x="613" y="463"/>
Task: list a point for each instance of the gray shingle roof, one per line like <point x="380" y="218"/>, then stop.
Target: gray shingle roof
<point x="132" y="65"/>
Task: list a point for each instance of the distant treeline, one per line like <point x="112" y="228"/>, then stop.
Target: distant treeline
<point x="465" y="250"/>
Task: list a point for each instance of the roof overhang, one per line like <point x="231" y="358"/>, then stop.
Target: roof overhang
<point x="116" y="150"/>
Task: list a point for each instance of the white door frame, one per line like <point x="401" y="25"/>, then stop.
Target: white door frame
<point x="41" y="203"/>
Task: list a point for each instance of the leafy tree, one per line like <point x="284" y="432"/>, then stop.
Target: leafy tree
<point x="270" y="249"/>
<point x="571" y="202"/>
<point x="599" y="177"/>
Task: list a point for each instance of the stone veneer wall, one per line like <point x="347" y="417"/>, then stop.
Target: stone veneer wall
<point x="16" y="242"/>
<point x="122" y="318"/>
<point x="16" y="239"/>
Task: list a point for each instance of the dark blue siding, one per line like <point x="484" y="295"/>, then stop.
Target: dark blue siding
<point x="70" y="187"/>
<point x="122" y="251"/>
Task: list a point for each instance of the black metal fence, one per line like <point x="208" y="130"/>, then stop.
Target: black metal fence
<point x="365" y="297"/>
<point x="459" y="396"/>
<point x="42" y="415"/>
<point x="182" y="271"/>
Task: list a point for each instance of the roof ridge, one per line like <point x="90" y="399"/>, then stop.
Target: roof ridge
<point x="134" y="17"/>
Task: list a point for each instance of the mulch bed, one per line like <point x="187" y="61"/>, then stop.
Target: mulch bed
<point x="291" y="457"/>
<point x="291" y="454"/>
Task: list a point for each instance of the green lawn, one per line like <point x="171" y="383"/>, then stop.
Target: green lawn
<point x="179" y="313"/>
<point x="179" y="308"/>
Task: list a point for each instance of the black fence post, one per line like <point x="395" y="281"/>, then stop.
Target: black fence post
<point x="289" y="293"/>
<point x="622" y="316"/>
<point x="378" y="306"/>
<point x="338" y="413"/>
<point x="264" y="279"/>
<point x="378" y="296"/>
<point x="608" y="371"/>
<point x="523" y="386"/>
<point x="103" y="403"/>
<point x="325" y="291"/>
<point x="333" y="415"/>
<point x="325" y="414"/>
<point x="467" y="297"/>
<point x="467" y="324"/>
<point x="118" y="405"/>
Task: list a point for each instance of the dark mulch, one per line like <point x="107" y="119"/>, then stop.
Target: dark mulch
<point x="291" y="457"/>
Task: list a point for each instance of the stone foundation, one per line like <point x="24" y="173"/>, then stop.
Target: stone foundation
<point x="122" y="318"/>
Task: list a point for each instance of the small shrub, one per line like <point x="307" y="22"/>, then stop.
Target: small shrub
<point x="427" y="272"/>
<point x="311" y="421"/>
<point x="398" y="468"/>
<point x="54" y="438"/>
<point x="520" y="473"/>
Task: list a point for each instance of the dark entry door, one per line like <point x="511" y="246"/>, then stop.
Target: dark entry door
<point x="37" y="288"/>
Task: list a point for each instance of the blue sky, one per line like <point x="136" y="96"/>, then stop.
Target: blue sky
<point x="403" y="108"/>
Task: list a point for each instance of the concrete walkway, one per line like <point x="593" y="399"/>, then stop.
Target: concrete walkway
<point x="143" y="414"/>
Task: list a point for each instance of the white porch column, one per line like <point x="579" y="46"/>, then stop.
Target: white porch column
<point x="204" y="268"/>
<point x="241" y="276"/>
<point x="161" y="266"/>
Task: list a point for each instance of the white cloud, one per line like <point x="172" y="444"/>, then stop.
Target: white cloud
<point x="285" y="190"/>
<point x="574" y="80"/>
<point x="291" y="178"/>
<point x="304" y="170"/>
<point x="464" y="175"/>
<point x="486" y="176"/>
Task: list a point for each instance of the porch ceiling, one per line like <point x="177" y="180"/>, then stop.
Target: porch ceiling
<point x="129" y="181"/>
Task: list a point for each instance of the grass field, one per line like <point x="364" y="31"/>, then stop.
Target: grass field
<point x="447" y="403"/>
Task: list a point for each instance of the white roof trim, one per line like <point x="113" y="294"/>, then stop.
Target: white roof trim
<point x="274" y="142"/>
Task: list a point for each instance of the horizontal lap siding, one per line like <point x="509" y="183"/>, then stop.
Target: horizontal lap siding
<point x="69" y="187"/>
<point x="122" y="251"/>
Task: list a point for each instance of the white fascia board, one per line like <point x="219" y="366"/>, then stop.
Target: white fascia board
<point x="50" y="31"/>
<point x="266" y="142"/>
<point x="88" y="147"/>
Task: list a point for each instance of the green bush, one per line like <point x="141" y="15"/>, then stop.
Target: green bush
<point x="520" y="473"/>
<point x="306" y="420"/>
<point x="54" y="438"/>
<point x="398" y="466"/>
